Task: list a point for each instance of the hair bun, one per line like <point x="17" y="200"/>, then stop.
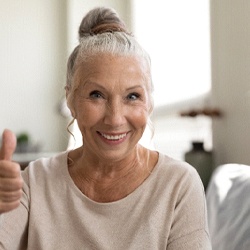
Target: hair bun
<point x="100" y="20"/>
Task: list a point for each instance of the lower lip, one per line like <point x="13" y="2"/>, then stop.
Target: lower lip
<point x="113" y="142"/>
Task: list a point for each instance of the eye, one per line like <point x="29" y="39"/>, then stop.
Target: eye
<point x="95" y="94"/>
<point x="133" y="96"/>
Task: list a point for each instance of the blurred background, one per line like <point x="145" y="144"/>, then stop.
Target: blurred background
<point x="200" y="63"/>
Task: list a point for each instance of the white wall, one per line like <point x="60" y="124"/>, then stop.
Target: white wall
<point x="230" y="28"/>
<point x="32" y="69"/>
<point x="180" y="61"/>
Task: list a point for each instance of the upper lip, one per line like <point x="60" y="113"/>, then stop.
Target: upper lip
<point x="121" y="134"/>
<point x="112" y="133"/>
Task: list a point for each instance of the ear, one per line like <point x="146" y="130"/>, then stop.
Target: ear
<point x="66" y="91"/>
<point x="69" y="101"/>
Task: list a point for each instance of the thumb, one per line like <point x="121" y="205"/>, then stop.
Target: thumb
<point x="8" y="145"/>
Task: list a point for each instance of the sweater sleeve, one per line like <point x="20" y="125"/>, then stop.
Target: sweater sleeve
<point x="189" y="229"/>
<point x="14" y="225"/>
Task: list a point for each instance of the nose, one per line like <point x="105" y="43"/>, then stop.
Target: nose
<point x="115" y="114"/>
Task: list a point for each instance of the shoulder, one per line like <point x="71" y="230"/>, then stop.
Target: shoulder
<point x="186" y="195"/>
<point x="44" y="178"/>
<point x="48" y="167"/>
<point x="176" y="169"/>
<point x="178" y="179"/>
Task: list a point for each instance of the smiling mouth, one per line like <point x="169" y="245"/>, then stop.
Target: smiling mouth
<point x="113" y="137"/>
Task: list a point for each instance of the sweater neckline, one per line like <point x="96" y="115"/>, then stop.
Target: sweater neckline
<point x="134" y="195"/>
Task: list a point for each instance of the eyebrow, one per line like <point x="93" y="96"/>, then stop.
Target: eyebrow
<point x="102" y="87"/>
<point x="95" y="83"/>
<point x="135" y="87"/>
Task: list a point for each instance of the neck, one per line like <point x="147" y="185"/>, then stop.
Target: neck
<point x="104" y="181"/>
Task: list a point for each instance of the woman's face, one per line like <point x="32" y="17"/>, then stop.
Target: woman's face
<point x="111" y="105"/>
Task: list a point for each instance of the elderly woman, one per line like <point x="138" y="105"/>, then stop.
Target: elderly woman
<point x="111" y="193"/>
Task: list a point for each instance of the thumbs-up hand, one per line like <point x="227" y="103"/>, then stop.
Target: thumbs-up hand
<point x="10" y="174"/>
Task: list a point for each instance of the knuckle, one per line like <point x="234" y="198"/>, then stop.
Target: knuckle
<point x="10" y="196"/>
<point x="9" y="169"/>
<point x="8" y="206"/>
<point x="11" y="184"/>
<point x="14" y="169"/>
<point x="19" y="183"/>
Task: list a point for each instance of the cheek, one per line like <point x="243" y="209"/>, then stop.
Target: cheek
<point x="86" y="114"/>
<point x="139" y="117"/>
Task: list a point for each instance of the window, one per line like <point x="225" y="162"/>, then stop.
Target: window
<point x="176" y="34"/>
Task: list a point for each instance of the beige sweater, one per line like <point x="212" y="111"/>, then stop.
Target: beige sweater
<point x="167" y="211"/>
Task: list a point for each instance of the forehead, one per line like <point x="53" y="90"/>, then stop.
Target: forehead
<point x="109" y="69"/>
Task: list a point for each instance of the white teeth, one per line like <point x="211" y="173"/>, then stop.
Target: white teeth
<point x="114" y="137"/>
